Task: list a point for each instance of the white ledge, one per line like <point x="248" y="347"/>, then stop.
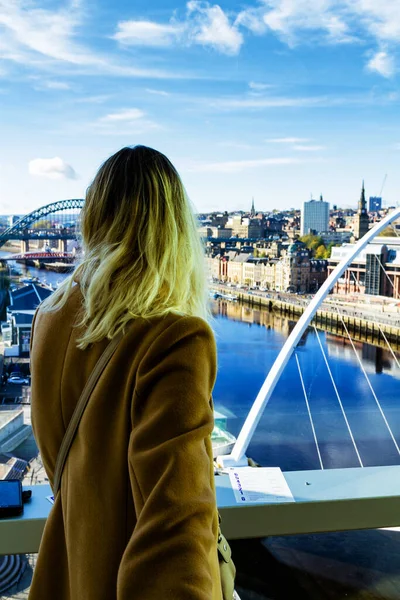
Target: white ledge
<point x="330" y="500"/>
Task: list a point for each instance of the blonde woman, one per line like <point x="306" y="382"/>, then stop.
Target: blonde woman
<point x="136" y="514"/>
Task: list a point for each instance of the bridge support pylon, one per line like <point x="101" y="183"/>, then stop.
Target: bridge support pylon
<point x="63" y="245"/>
<point x="24" y="246"/>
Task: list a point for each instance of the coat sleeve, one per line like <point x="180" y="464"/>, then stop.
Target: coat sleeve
<point x="173" y="545"/>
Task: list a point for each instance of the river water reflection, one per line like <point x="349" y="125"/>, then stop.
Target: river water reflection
<point x="248" y="341"/>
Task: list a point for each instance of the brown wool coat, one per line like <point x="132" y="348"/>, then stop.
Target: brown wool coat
<point x="136" y="515"/>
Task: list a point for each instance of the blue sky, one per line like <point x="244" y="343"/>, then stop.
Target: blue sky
<point x="275" y="99"/>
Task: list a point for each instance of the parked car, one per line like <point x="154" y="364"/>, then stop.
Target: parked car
<point x="18" y="378"/>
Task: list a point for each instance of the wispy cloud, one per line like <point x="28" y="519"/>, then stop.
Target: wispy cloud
<point x="288" y="140"/>
<point x="43" y="85"/>
<point x="147" y="33"/>
<point x="331" y="22"/>
<point x="130" y="114"/>
<point x="51" y="168"/>
<point x="303" y="148"/>
<point x="211" y="27"/>
<point x="121" y="122"/>
<point x="204" y="24"/>
<point x="382" y="63"/>
<point x="238" y="165"/>
<point x="157" y="92"/>
<point x="269" y="102"/>
<point x="57" y="85"/>
<point x="258" y="87"/>
<point x="45" y="38"/>
<point x="297" y="143"/>
<point x="29" y="32"/>
<point x="374" y="98"/>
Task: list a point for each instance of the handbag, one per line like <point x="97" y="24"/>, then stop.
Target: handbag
<point x="226" y="566"/>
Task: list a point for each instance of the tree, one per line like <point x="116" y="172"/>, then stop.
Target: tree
<point x="320" y="252"/>
<point x="388" y="232"/>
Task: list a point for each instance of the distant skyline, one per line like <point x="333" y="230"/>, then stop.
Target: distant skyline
<point x="271" y="99"/>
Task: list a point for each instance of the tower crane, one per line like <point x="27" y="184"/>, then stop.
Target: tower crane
<point x="383" y="185"/>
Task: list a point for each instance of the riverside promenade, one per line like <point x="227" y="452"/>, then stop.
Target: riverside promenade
<point x="367" y="319"/>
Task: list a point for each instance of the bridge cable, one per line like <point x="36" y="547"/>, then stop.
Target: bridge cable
<point x="338" y="398"/>
<point x="309" y="412"/>
<point x="368" y="382"/>
<point x="386" y="340"/>
<point x="394" y="229"/>
<point x="389" y="345"/>
<point x="388" y="278"/>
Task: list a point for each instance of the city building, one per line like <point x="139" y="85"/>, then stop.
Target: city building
<point x="244" y="227"/>
<point x="12" y="219"/>
<point x="336" y="237"/>
<point x="375" y="271"/>
<point x="314" y="216"/>
<point x="361" y="219"/>
<point x="217" y="232"/>
<point x="375" y="203"/>
<point x="16" y="331"/>
<point x="294" y="271"/>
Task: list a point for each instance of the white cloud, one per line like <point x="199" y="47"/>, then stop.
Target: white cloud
<point x="330" y="22"/>
<point x="157" y="92"/>
<point x="50" y="85"/>
<point x="211" y="27"/>
<point x="130" y="120"/>
<point x="130" y="114"/>
<point x="26" y="29"/>
<point x="290" y="18"/>
<point x="52" y="168"/>
<point x="302" y="148"/>
<point x="44" y="39"/>
<point x="258" y="87"/>
<point x="251" y="19"/>
<point x="383" y="64"/>
<point x="204" y="24"/>
<point x="57" y="85"/>
<point x="238" y="165"/>
<point x="288" y="140"/>
<point x="146" y="33"/>
<point x="269" y="102"/>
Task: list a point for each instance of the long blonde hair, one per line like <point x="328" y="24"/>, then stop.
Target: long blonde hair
<point x="142" y="255"/>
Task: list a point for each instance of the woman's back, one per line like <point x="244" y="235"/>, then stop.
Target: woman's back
<point x="136" y="513"/>
<point x="131" y="518"/>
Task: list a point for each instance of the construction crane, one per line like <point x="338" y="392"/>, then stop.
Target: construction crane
<point x="383" y="185"/>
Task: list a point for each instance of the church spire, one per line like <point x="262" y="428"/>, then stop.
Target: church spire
<point x="361" y="219"/>
<point x="253" y="210"/>
<point x="362" y="205"/>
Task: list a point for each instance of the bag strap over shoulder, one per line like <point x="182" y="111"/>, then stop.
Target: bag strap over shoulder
<point x="80" y="407"/>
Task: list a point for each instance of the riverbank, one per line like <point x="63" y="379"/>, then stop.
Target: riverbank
<point x="363" y="321"/>
<point x="13" y="246"/>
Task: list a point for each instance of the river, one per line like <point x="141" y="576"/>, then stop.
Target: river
<point x="248" y="341"/>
